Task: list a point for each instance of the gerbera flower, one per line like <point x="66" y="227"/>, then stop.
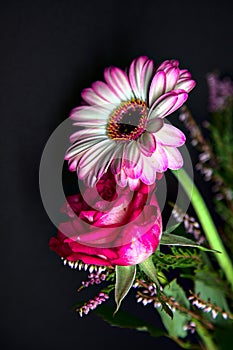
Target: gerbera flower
<point x="122" y="123"/>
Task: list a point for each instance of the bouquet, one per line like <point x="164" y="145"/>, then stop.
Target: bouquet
<point x="136" y="220"/>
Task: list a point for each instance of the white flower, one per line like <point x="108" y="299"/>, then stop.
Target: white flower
<point x="122" y="124"/>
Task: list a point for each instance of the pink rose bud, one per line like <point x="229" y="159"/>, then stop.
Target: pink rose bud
<point x="116" y="227"/>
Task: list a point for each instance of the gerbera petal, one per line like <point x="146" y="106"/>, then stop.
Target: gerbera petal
<point x="81" y="134"/>
<point x="90" y="96"/>
<point x="149" y="174"/>
<point x="82" y="145"/>
<point x="91" y="179"/>
<point x="131" y="154"/>
<point x="154" y="125"/>
<point x="106" y="92"/>
<point x="135" y="74"/>
<point x="175" y="160"/>
<point x="116" y="164"/>
<point x="186" y="84"/>
<point x="159" y="159"/>
<point x="121" y="178"/>
<point x="163" y="105"/>
<point x="147" y="143"/>
<point x="119" y="82"/>
<point x="134" y="184"/>
<point x="157" y="87"/>
<point x="93" y="156"/>
<point x="136" y="171"/>
<point x="146" y="75"/>
<point x="72" y="163"/>
<point x="181" y="98"/>
<point x="172" y="75"/>
<point x="184" y="73"/>
<point x="108" y="158"/>
<point x="86" y="113"/>
<point x="168" y="64"/>
<point x="170" y="136"/>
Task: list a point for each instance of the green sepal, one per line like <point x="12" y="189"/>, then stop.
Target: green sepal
<point x="125" y="276"/>
<point x="148" y="267"/>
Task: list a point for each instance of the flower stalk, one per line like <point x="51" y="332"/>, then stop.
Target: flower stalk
<point x="206" y="338"/>
<point x="206" y="222"/>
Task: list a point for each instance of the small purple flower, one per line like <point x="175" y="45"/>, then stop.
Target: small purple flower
<point x="92" y="304"/>
<point x="220" y="91"/>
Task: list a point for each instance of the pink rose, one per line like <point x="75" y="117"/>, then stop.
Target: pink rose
<point x="116" y="227"/>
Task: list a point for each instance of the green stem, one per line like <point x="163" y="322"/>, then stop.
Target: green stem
<point x="205" y="337"/>
<point x="206" y="222"/>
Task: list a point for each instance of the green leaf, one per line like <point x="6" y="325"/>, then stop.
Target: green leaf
<point x="171" y="228"/>
<point x="175" y="326"/>
<point x="207" y="287"/>
<point x="170" y="239"/>
<point x="148" y="267"/>
<point x="126" y="320"/>
<point x="125" y="276"/>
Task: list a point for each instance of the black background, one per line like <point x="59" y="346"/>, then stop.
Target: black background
<point x="50" y="51"/>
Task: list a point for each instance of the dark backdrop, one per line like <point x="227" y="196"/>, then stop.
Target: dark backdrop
<point x="50" y="51"/>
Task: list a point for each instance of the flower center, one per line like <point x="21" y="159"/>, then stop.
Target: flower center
<point x="128" y="121"/>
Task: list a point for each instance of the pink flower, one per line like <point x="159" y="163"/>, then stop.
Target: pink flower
<point x="123" y="126"/>
<point x="124" y="230"/>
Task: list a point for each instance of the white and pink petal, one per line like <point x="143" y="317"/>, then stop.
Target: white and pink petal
<point x="154" y="125"/>
<point x="131" y="154"/>
<point x="147" y="72"/>
<point x="135" y="71"/>
<point x="90" y="114"/>
<point x="163" y="105"/>
<point x="149" y="173"/>
<point x="175" y="160"/>
<point x="106" y="92"/>
<point x="147" y="143"/>
<point x="186" y="84"/>
<point x="170" y="136"/>
<point x="172" y="75"/>
<point x="157" y="87"/>
<point x="159" y="160"/>
<point x="119" y="82"/>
